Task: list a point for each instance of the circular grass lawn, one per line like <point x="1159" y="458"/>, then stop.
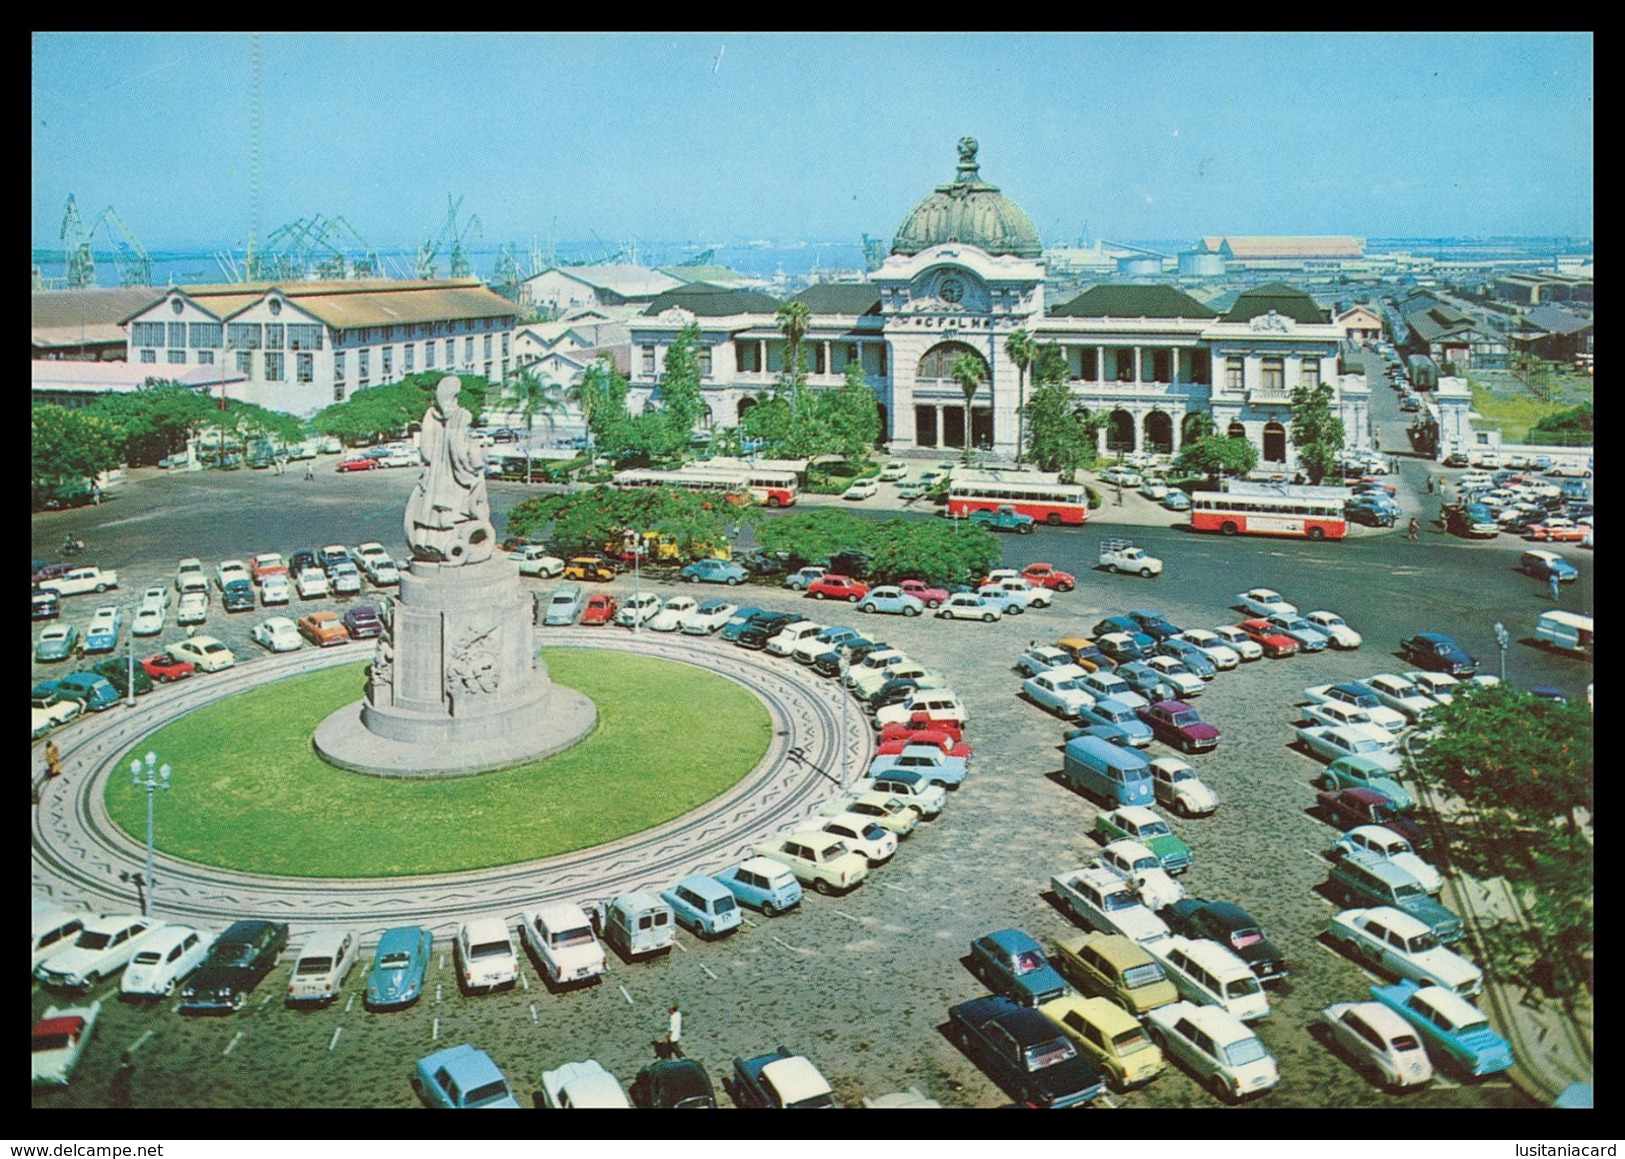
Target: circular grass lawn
<point x="249" y="792"/>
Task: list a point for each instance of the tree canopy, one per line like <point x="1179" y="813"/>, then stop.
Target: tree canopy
<point x="155" y="421"/>
<point x="934" y="550"/>
<point x="69" y="446"/>
<point x="1215" y="455"/>
<point x="1058" y="439"/>
<point x="1317" y="431"/>
<point x="590" y="520"/>
<point x="390" y="410"/>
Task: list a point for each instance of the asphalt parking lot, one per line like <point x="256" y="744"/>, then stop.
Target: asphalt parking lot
<point x="861" y="984"/>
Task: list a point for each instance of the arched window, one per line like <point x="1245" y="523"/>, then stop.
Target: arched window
<point x="1159" y="433"/>
<point x="1120" y="431"/>
<point x="1274" y="443"/>
<point x="1236" y="431"/>
<point x="938" y="362"/>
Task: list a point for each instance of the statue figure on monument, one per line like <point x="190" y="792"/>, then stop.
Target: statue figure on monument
<point x="448" y="517"/>
<point x="381" y="672"/>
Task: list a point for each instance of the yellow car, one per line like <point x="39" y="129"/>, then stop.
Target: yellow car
<point x="1117" y="968"/>
<point x="1110" y="1035"/>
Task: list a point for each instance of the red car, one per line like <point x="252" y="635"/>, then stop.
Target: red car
<point x="918" y="723"/>
<point x="360" y="464"/>
<point x="837" y="587"/>
<point x="1176" y="723"/>
<point x="601" y="609"/>
<point x="1347" y="808"/>
<point x="163" y="668"/>
<point x="1275" y="645"/>
<point x="950" y="746"/>
<point x="930" y="597"/>
<point x="323" y="629"/>
<point x="1557" y="531"/>
<point x="1044" y="575"/>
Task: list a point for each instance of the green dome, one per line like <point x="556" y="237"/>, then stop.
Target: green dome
<point x="971" y="212"/>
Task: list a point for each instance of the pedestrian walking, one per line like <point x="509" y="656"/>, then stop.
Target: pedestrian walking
<point x="1414" y="529"/>
<point x="79" y="650"/>
<point x="1553" y="580"/>
<point x="310" y="469"/>
<point x="120" y="1091"/>
<point x="1430" y="484"/>
<point x="53" y="759"/>
<point x="674" y="1032"/>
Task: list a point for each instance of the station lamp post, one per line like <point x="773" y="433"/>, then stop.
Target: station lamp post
<point x="1502" y="639"/>
<point x="157" y="777"/>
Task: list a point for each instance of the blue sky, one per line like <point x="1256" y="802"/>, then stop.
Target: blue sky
<point x="816" y="136"/>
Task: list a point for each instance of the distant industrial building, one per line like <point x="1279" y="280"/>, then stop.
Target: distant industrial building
<point x="1555" y="334"/>
<point x="1424" y="323"/>
<point x="86" y="324"/>
<point x="1536" y="289"/>
<point x="617" y="289"/>
<point x="302" y="345"/>
<point x="1286" y="253"/>
<point x="1360" y="324"/>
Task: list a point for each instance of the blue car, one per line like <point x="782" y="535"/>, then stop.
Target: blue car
<point x="1154" y="624"/>
<point x="1177" y="500"/>
<point x="929" y="759"/>
<point x="1190" y="656"/>
<point x="102" y="634"/>
<point x="1013" y="964"/>
<point x="891" y="601"/>
<point x="736" y="624"/>
<point x="1309" y="638"/>
<point x="1147" y="681"/>
<point x="714" y="571"/>
<point x="1115" y="712"/>
<point x="95" y="692"/>
<point x="1457" y="1034"/>
<point x="763" y="884"/>
<point x="1543" y="565"/>
<point x="396" y="978"/>
<point x="462" y="1078"/>
<point x="704" y="905"/>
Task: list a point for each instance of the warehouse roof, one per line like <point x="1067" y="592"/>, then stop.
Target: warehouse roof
<point x="363" y="302"/>
<point x="1115" y="301"/>
<point x="708" y="301"/>
<point x="840" y="298"/>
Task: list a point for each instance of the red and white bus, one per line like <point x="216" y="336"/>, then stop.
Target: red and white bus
<point x="771" y="482"/>
<point x="1272" y="509"/>
<point x="1035" y="493"/>
<point x="729" y="487"/>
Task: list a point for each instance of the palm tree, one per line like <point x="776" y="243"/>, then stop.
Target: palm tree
<point x="967" y="372"/>
<point x="794" y="318"/>
<point x="1022" y="349"/>
<point x="533" y="399"/>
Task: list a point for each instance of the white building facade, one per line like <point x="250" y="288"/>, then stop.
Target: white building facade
<point x="965" y="272"/>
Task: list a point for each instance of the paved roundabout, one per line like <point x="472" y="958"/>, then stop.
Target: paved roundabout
<point x="819" y="740"/>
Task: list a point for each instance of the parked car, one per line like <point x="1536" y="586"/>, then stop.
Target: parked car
<point x="564" y="605"/>
<point x="1545" y="564"/>
<point x="1399" y="694"/>
<point x="1198" y="661"/>
<point x="1138" y="823"/>
<point x="600" y="609"/>
<point x="1145" y="680"/>
<point x="163" y="668"/>
<point x="278" y="634"/>
<point x="672" y="613"/>
<point x="1024" y="1052"/>
<point x="821" y="860"/>
<point x="1356" y="696"/>
<point x="322" y="965"/>
<point x="1355" y="721"/>
<point x="863" y="836"/>
<point x="1099" y="899"/>
<point x="1177" y="787"/>
<point x="1335" y="628"/>
<point x="534" y="559"/>
<point x="560" y="938"/>
<point x="103" y="947"/>
<point x="324" y="629"/>
<point x="703" y="905"/>
<point x="882" y="809"/>
<point x="801" y="577"/>
<point x="1221" y="654"/>
<point x="1111" y="686"/>
<point x="1402" y="946"/>
<point x="461" y="1077"/>
<point x="714" y="571"/>
<point x="912" y="788"/>
<point x="673" y="1083"/>
<point x="1109" y="712"/>
<point x="780" y="1080"/>
<point x="1174" y="673"/>
<point x="59" y="1040"/>
<point x="95" y="693"/>
<point x="1232" y="927"/>
<point x="767" y="885"/>
<point x="1384" y="843"/>
<point x="1041" y="658"/>
<point x="1263" y="603"/>
<point x="1010" y="962"/>
<point x="193" y="608"/>
<point x="1117" y="968"/>
<point x="311" y="583"/>
<point x="862" y="489"/>
<point x="1142" y="870"/>
<point x="970" y="606"/>
<point x="116" y="671"/>
<point x="1436" y="652"/>
<point x="1331" y="742"/>
<point x="1379" y="1042"/>
<point x="1362" y="773"/>
<point x="237" y="962"/>
<point x="56" y="642"/>
<point x="102" y="634"/>
<point x="831" y="586"/>
<point x="1178" y="724"/>
<point x="892" y="600"/>
<point x="1453" y="1030"/>
<point x="398" y="968"/>
<point x="1061" y="690"/>
<point x="1223" y="1055"/>
<point x="1309" y="639"/>
<point x="589" y="569"/>
<point x="1109" y="1037"/>
<point x="1242" y="643"/>
<point x="54" y="710"/>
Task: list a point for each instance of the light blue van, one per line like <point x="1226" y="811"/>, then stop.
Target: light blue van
<point x="1119" y="776"/>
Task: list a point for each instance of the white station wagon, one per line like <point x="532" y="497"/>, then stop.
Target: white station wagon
<point x="485" y="954"/>
<point x="324" y="961"/>
<point x="1404" y="947"/>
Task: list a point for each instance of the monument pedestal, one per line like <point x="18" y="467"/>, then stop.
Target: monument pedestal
<point x="457" y="687"/>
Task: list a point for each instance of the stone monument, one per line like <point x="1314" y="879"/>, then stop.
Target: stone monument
<point x="456" y="686"/>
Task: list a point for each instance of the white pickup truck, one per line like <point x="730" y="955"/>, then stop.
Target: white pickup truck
<point x="1122" y="556"/>
<point x="81" y="580"/>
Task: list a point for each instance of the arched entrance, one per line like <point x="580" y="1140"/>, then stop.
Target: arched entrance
<point x="706" y="417"/>
<point x="947" y="421"/>
<point x="1274" y="443"/>
<point x="1159" y="433"/>
<point x="1120" y="431"/>
<point x="744" y="405"/>
<point x="1236" y="431"/>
